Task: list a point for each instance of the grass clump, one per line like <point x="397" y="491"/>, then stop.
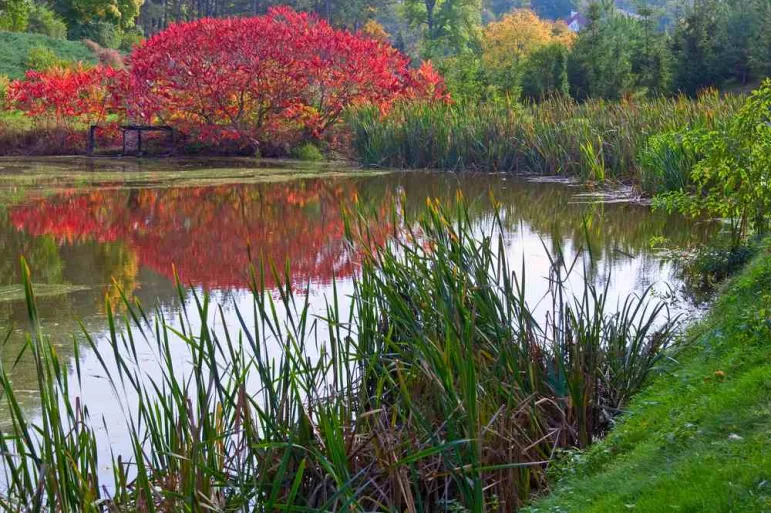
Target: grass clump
<point x="307" y="152"/>
<point x="596" y="139"/>
<point x="439" y="388"/>
<point x="697" y="438"/>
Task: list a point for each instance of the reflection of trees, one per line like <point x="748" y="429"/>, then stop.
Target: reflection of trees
<point x="554" y="211"/>
<point x="131" y="237"/>
<point x="209" y="233"/>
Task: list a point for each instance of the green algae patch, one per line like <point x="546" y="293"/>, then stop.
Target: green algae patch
<point x="10" y="293"/>
<point x="21" y="176"/>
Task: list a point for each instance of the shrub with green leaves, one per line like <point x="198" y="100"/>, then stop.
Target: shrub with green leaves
<point x="130" y="38"/>
<point x="102" y="32"/>
<point x="43" y="20"/>
<point x="732" y="177"/>
<point x="307" y="152"/>
<point x="41" y="58"/>
<point x="4" y="82"/>
<point x="14" y="15"/>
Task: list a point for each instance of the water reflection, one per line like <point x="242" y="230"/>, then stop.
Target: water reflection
<point x="103" y="239"/>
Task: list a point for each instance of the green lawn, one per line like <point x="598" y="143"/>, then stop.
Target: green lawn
<point x="14" y="47"/>
<point x="699" y="438"/>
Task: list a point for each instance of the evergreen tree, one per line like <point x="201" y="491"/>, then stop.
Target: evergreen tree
<point x="699" y="47"/>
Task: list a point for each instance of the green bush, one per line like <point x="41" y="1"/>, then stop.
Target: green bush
<point x="40" y="58"/>
<point x="15" y="47"/>
<point x="546" y="72"/>
<point x="4" y="82"/>
<point x="307" y="152"/>
<point x="666" y="163"/>
<point x="14" y="15"/>
<point x="733" y="174"/>
<point x="43" y="20"/>
<point x="714" y="264"/>
<point x="130" y="38"/>
<point x="104" y="33"/>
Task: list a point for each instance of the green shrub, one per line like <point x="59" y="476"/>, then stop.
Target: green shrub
<point x="14" y="15"/>
<point x="130" y="38"/>
<point x="43" y="20"/>
<point x="714" y="264"/>
<point x="40" y="58"/>
<point x="15" y="47"/>
<point x="308" y="152"/>
<point x="732" y="178"/>
<point x="546" y="72"/>
<point x="4" y="82"/>
<point x="104" y="33"/>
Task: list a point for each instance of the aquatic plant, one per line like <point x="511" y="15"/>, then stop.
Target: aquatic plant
<point x="439" y="386"/>
<point x="556" y="136"/>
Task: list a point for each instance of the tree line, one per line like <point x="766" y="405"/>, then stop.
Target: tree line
<point x="485" y="48"/>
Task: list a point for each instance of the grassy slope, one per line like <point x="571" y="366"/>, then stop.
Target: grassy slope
<point x="698" y="439"/>
<point x="14" y="47"/>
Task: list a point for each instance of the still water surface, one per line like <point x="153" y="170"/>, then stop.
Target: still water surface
<point x="90" y="228"/>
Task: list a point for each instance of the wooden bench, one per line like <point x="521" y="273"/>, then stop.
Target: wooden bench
<point x="139" y="129"/>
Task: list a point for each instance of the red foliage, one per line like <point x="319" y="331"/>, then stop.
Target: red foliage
<point x="208" y="233"/>
<point x="274" y="78"/>
<point x="69" y="97"/>
<point x="281" y="75"/>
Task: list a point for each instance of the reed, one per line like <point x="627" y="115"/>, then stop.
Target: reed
<point x="440" y="388"/>
<point x="596" y="139"/>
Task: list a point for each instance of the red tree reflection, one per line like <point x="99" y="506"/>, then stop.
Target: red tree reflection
<point x="209" y="232"/>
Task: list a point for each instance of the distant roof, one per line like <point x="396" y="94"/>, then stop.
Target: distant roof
<point x="576" y="21"/>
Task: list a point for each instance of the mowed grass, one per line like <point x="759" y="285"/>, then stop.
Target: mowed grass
<point x="15" y="47"/>
<point x="698" y="439"/>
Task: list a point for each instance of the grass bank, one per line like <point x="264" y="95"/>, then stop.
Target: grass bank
<point x="15" y="47"/>
<point x="698" y="438"/>
<point x="595" y="140"/>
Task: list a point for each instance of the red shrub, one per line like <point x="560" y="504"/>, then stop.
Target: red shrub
<point x="278" y="76"/>
<point x="70" y="98"/>
<point x="269" y="79"/>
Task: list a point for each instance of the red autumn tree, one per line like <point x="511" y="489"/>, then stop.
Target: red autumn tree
<point x="275" y="77"/>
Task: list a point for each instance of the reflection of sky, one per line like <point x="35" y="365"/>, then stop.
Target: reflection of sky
<point x="534" y="215"/>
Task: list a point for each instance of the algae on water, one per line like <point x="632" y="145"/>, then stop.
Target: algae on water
<point x="16" y="292"/>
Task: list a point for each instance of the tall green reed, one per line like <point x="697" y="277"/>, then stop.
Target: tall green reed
<point x="439" y="387"/>
<point x="596" y="139"/>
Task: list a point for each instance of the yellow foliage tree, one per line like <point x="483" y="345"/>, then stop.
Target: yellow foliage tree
<point x="511" y="40"/>
<point x="374" y="30"/>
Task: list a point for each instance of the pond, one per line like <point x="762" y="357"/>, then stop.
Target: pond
<point x="92" y="229"/>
